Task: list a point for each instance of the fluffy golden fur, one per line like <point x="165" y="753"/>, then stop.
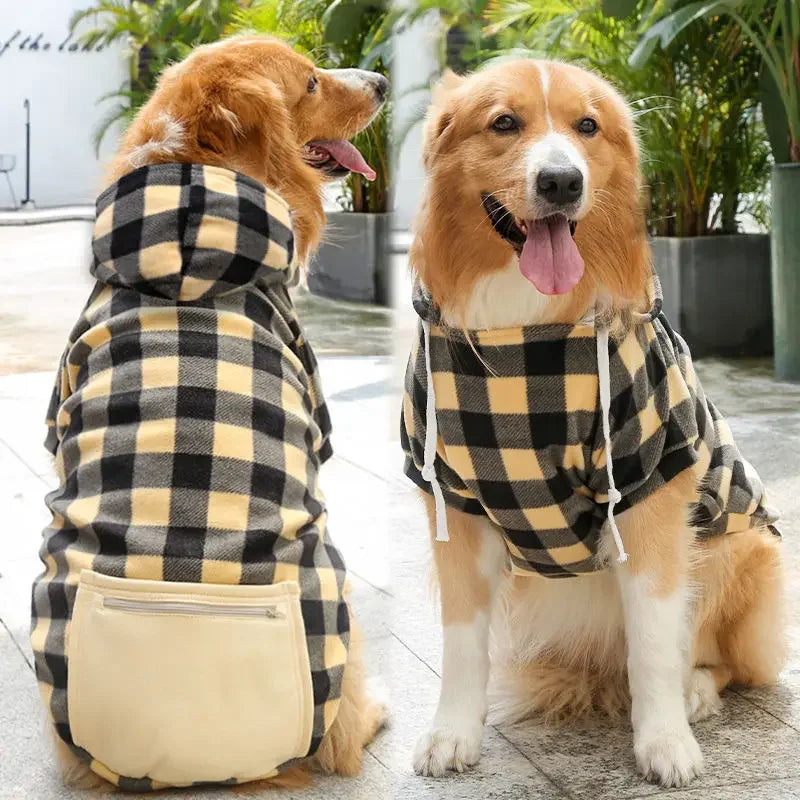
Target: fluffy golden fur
<point x="563" y="648"/>
<point x="244" y="104"/>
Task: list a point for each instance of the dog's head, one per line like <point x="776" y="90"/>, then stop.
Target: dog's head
<point x="254" y="105"/>
<point x="538" y="159"/>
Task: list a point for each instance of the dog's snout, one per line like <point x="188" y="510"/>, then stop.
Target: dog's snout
<point x="362" y="80"/>
<point x="381" y="85"/>
<point x="560" y="185"/>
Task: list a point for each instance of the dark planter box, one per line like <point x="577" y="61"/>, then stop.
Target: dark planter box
<point x="717" y="292"/>
<point x="352" y="263"/>
<point x="786" y="269"/>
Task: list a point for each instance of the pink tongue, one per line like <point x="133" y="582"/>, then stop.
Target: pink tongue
<point x="550" y="259"/>
<point x="348" y="156"/>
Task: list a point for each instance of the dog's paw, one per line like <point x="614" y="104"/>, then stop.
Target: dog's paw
<point x="703" y="700"/>
<point x="670" y="758"/>
<point x="446" y="747"/>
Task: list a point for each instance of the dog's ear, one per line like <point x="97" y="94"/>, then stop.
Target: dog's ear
<point x="438" y="128"/>
<point x="220" y="130"/>
<point x="448" y="82"/>
<point x="242" y="122"/>
<point x="260" y="108"/>
<point x="219" y="110"/>
<point x="439" y="123"/>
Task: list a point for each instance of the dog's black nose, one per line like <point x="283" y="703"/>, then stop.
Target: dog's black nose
<point x="381" y="87"/>
<point x="560" y="185"/>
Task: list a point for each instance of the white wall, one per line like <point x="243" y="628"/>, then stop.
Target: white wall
<point x="414" y="63"/>
<point x="63" y="86"/>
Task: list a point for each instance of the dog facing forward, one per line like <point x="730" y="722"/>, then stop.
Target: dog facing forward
<point x="586" y="499"/>
<point x="191" y="625"/>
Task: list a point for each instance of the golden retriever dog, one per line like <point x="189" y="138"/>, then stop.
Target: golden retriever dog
<point x="532" y="226"/>
<point x="254" y="106"/>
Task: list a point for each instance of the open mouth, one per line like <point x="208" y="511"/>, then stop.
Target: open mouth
<point x="337" y="158"/>
<point x="513" y="229"/>
<point x="548" y="255"/>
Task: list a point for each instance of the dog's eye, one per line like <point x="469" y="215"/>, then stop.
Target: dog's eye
<point x="587" y="126"/>
<point x="505" y="123"/>
<point x="312" y="84"/>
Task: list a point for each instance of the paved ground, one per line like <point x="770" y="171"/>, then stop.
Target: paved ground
<point x="752" y="750"/>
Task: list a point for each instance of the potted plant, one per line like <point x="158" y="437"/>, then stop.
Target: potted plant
<point x="773" y="29"/>
<point x="352" y="262"/>
<point x="704" y="159"/>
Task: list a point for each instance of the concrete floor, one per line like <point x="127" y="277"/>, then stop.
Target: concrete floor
<point x="752" y="749"/>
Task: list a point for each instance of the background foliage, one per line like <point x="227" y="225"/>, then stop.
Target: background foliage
<point x="155" y="35"/>
<point x="772" y="27"/>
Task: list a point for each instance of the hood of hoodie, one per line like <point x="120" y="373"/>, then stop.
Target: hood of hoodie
<point x="188" y="232"/>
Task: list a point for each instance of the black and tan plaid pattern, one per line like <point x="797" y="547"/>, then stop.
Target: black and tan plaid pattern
<point x="187" y="420"/>
<point x="521" y="441"/>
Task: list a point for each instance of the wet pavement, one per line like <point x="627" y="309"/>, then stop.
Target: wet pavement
<point x="338" y="328"/>
<point x="752" y="749"/>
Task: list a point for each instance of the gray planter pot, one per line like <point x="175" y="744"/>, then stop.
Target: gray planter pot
<point x="352" y="263"/>
<point x="786" y="269"/>
<point x="717" y="292"/>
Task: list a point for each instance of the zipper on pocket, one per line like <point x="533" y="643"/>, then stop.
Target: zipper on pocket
<point x="190" y="608"/>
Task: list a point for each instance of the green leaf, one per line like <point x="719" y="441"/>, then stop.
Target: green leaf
<point x="775" y="119"/>
<point x="342" y="18"/>
<point x="382" y="51"/>
<point x="118" y="114"/>
<point x="667" y="29"/>
<point x="620" y="9"/>
<point x="192" y="8"/>
<point x="641" y="54"/>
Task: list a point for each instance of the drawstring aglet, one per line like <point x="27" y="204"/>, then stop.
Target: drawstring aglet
<point x="604" y="381"/>
<point x="431" y="435"/>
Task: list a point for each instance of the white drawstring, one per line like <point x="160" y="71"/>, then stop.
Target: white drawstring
<point x="431" y="437"/>
<point x="604" y="378"/>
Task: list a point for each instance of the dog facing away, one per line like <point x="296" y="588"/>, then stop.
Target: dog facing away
<point x="188" y="425"/>
<point x="570" y="439"/>
<point x="253" y="105"/>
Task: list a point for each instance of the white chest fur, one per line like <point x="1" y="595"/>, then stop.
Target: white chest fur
<point x="505" y="299"/>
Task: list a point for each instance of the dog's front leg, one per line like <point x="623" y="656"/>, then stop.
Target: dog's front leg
<point x="656" y="605"/>
<point x="469" y="569"/>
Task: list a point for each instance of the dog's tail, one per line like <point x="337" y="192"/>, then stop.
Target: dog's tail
<point x="292" y="779"/>
<point x="554" y="693"/>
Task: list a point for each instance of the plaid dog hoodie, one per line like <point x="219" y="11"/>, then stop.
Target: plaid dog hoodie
<point x="550" y="429"/>
<point x="188" y="422"/>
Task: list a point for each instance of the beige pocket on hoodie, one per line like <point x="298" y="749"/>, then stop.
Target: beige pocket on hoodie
<point x="186" y="682"/>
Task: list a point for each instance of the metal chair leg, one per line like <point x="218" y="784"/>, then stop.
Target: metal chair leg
<point x="11" y="189"/>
